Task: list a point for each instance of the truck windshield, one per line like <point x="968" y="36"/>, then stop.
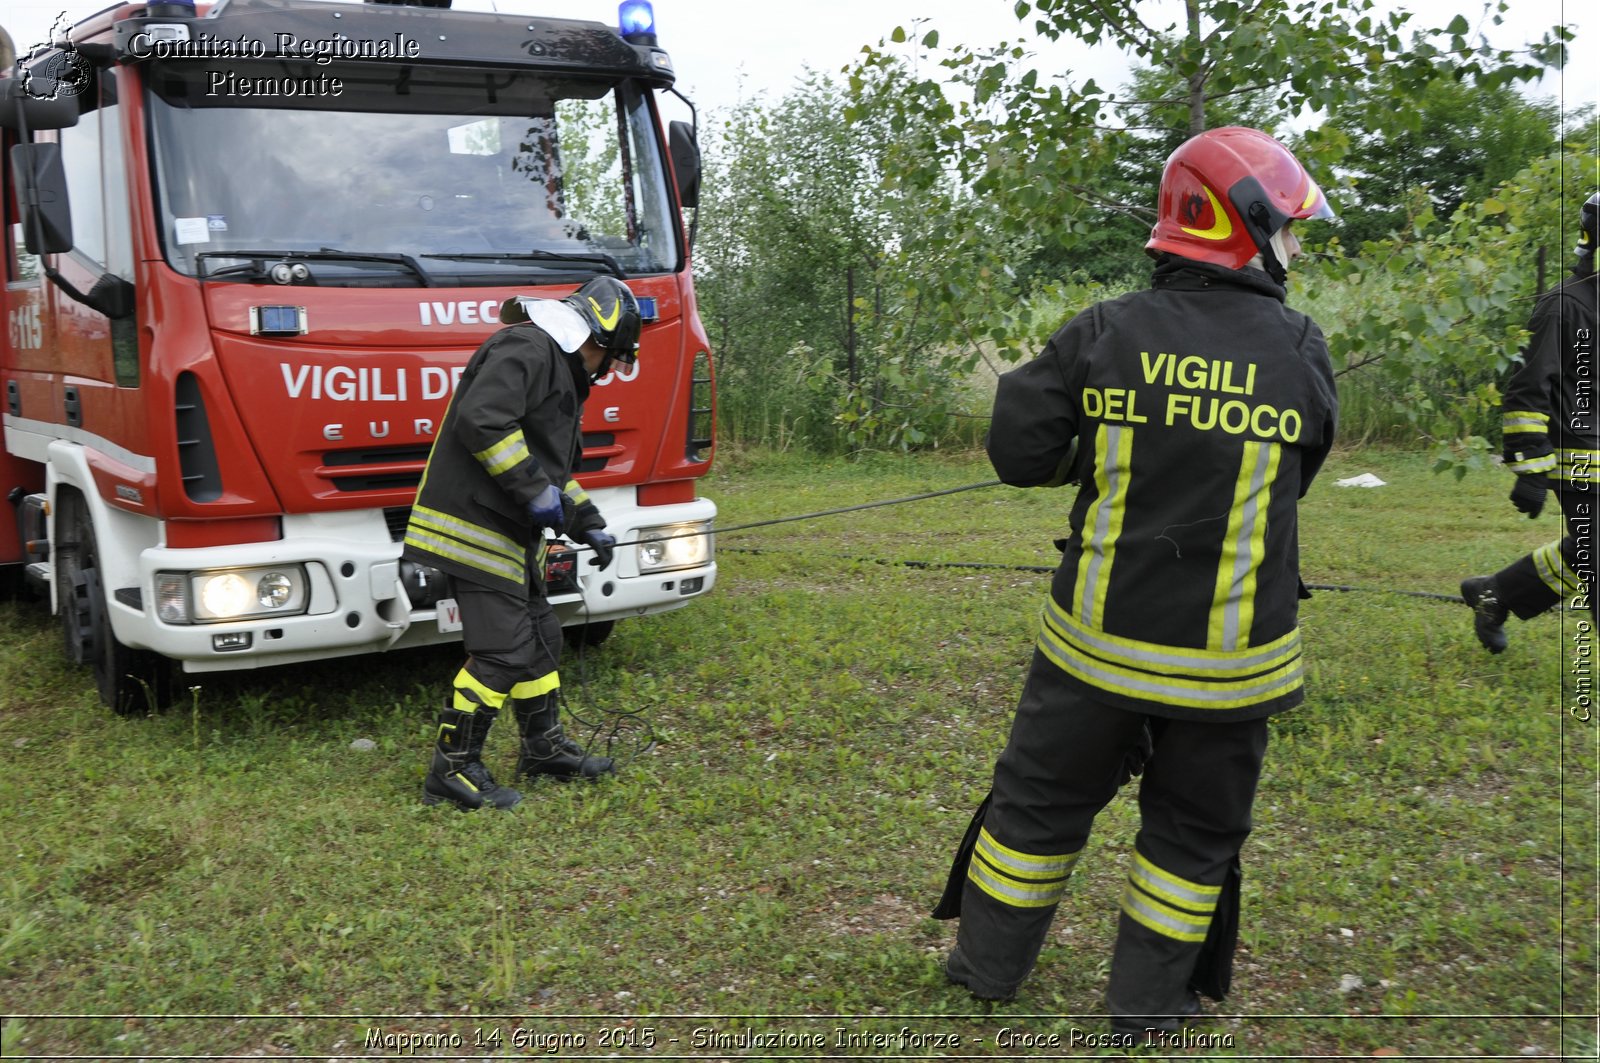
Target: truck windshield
<point x="484" y="176"/>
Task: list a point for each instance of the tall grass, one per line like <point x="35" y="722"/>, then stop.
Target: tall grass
<point x="824" y="722"/>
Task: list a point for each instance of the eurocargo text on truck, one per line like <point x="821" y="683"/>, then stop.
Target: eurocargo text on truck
<point x="248" y="249"/>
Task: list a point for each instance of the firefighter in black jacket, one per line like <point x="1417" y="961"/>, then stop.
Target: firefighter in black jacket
<point x="1194" y="414"/>
<point x="1551" y="433"/>
<point x="509" y="443"/>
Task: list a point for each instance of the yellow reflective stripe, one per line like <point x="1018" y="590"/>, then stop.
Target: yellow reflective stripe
<point x="1541" y="464"/>
<point x="1554" y="571"/>
<point x="1233" y="605"/>
<point x="471" y="533"/>
<point x="1221" y="226"/>
<point x="576" y="492"/>
<point x="1189" y="692"/>
<point x="1022" y="880"/>
<point x="509" y="452"/>
<point x="464" y="781"/>
<point x="1163" y="919"/>
<point x="1156" y="657"/>
<point x="607" y="323"/>
<point x="533" y="688"/>
<point x="1009" y="891"/>
<point x="470" y="693"/>
<point x="454" y="550"/>
<point x="1582" y="466"/>
<point x="1113" y="453"/>
<point x="1167" y="886"/>
<point x="1523" y="421"/>
<point x="1018" y="864"/>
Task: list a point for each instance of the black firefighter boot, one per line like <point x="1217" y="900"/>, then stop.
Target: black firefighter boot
<point x="1489" y="612"/>
<point x="457" y="773"/>
<point x="546" y="749"/>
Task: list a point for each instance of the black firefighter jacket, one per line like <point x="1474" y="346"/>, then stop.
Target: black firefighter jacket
<point x="511" y="430"/>
<point x="1200" y="410"/>
<point x="1548" y="415"/>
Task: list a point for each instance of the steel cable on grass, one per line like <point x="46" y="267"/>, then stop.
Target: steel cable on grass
<point x="922" y="563"/>
<point x="621" y="720"/>
<point x="615" y="722"/>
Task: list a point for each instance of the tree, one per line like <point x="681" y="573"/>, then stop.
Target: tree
<point x="1036" y="149"/>
<point x="804" y="257"/>
<point x="1468" y="138"/>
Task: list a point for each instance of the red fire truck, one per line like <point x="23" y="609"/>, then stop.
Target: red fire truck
<point x="249" y="248"/>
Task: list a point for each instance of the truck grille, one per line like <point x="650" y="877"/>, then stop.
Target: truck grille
<point x="396" y="518"/>
<point x="374" y="468"/>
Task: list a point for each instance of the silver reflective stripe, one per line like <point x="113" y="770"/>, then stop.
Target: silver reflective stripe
<point x="1243" y="557"/>
<point x="1524" y="420"/>
<point x="1200" y="694"/>
<point x="1553" y="570"/>
<point x="506" y="454"/>
<point x="1155" y="657"/>
<point x="1164" y="920"/>
<point x="441" y="546"/>
<point x="1108" y="440"/>
<point x="1023" y="865"/>
<point x="1016" y="894"/>
<point x="472" y="533"/>
<point x="1154" y="880"/>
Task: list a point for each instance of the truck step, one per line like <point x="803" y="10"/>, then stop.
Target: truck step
<point x="38" y="573"/>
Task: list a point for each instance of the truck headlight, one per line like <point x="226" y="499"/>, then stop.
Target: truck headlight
<point x="232" y="594"/>
<point x="671" y="546"/>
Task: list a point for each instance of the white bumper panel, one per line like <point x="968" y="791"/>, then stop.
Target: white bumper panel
<point x="356" y="601"/>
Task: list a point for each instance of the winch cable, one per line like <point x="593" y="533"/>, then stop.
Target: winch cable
<point x="920" y="563"/>
<point x="1049" y="569"/>
<point x="615" y="722"/>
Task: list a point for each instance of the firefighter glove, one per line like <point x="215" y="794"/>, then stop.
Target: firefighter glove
<point x="546" y="510"/>
<point x="1528" y="494"/>
<point x="604" y="545"/>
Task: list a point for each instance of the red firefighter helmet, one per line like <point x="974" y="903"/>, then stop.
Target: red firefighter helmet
<point x="1226" y="192"/>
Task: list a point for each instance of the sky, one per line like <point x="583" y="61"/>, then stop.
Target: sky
<point x="728" y="50"/>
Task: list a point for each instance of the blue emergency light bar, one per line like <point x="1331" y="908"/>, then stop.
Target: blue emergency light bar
<point x="636" y="22"/>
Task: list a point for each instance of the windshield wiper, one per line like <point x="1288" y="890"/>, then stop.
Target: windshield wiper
<point x="598" y="258"/>
<point x="258" y="269"/>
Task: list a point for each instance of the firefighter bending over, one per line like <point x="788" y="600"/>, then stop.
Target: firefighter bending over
<point x="499" y="474"/>
<point x="1550" y="434"/>
<point x="1194" y="414"/>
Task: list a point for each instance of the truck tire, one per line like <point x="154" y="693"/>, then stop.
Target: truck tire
<point x="592" y="634"/>
<point x="131" y="682"/>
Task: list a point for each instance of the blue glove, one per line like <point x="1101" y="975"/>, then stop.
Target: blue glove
<point x="546" y="511"/>
<point x="604" y="544"/>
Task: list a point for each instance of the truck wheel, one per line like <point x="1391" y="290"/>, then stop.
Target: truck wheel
<point x="593" y="634"/>
<point x="131" y="682"/>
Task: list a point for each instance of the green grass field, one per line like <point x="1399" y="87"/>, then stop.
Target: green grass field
<point x="232" y="878"/>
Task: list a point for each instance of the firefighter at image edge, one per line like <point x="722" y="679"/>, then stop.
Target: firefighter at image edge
<point x="1195" y="415"/>
<point x="499" y="475"/>
<point x="1550" y="432"/>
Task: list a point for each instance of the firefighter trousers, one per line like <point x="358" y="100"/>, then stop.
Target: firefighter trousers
<point x="1558" y="571"/>
<point x="513" y="644"/>
<point x="1061" y="766"/>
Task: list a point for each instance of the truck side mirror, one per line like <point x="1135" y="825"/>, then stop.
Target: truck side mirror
<point x="46" y="108"/>
<point x="685" y="152"/>
<point x="42" y="195"/>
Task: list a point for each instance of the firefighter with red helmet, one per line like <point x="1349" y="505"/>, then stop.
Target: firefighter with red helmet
<point x="500" y="474"/>
<point x="1194" y="415"/>
<point x="1552" y="440"/>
